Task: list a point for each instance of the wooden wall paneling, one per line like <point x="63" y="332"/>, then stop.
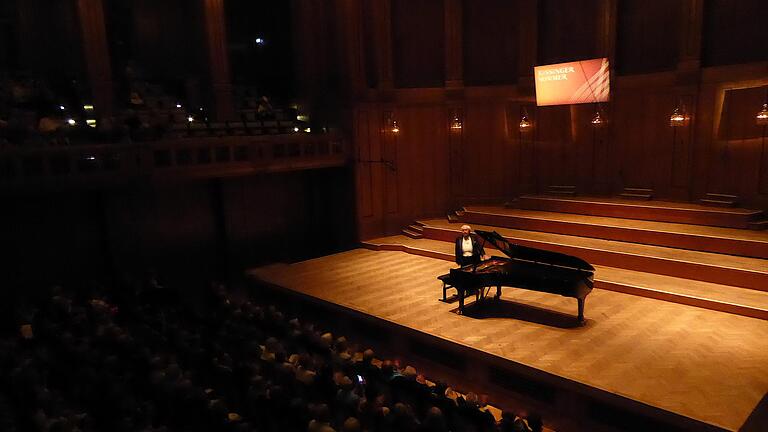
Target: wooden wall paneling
<point x="389" y="150"/>
<point x="704" y="131"/>
<point x="441" y="160"/>
<point x="354" y="47"/>
<point x="363" y="170"/>
<point x="382" y="19"/>
<point x="454" y="53"/>
<point x="554" y="142"/>
<point x="418" y="43"/>
<point x="606" y="35"/>
<point x="629" y="123"/>
<point x="490" y="43"/>
<point x="649" y="36"/>
<point x="457" y="166"/>
<point x="527" y="23"/>
<point x="581" y="152"/>
<point x="762" y="176"/>
<point x="369" y="137"/>
<point x="734" y="32"/>
<point x="568" y="31"/>
<point x="523" y="147"/>
<point x="681" y="151"/>
<point x="733" y="149"/>
<point x="691" y="17"/>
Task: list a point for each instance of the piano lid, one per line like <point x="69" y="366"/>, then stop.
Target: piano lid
<point x="533" y="254"/>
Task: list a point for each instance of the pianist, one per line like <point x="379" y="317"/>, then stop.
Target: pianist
<point x="468" y="250"/>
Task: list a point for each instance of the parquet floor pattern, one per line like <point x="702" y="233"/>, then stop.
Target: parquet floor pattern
<point x="708" y="365"/>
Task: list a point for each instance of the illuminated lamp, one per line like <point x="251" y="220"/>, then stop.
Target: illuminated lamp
<point x="190" y="119"/>
<point x="525" y="123"/>
<point x="394" y="128"/>
<point x="91" y="122"/>
<point x="295" y="129"/>
<point x="71" y="122"/>
<point x="678" y="117"/>
<point x="456" y="124"/>
<point x="762" y="117"/>
<point x="88" y="107"/>
<point x="597" y="120"/>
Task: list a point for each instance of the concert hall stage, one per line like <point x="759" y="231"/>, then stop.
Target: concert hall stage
<point x="667" y="364"/>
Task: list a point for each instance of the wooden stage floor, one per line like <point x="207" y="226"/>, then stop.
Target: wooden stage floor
<point x="706" y="365"/>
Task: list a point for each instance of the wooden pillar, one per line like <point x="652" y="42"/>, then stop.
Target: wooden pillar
<point x="528" y="11"/>
<point x="218" y="59"/>
<point x="689" y="63"/>
<point x="690" y="38"/>
<point x="383" y="43"/>
<point x="96" y="52"/>
<point x="606" y="42"/>
<point x="349" y="36"/>
<point x="454" y="54"/>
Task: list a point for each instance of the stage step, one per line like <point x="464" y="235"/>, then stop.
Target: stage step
<point x="561" y="190"/>
<point x="718" y="297"/>
<point x="721" y="200"/>
<point x="637" y="193"/>
<point x="729" y="241"/>
<point x="722" y="269"/>
<point x="659" y="211"/>
<point x="414" y="231"/>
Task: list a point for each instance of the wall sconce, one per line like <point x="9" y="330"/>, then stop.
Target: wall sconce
<point x="456" y="125"/>
<point x="525" y="124"/>
<point x="391" y="123"/>
<point x="762" y="117"/>
<point x="598" y="120"/>
<point x="678" y="118"/>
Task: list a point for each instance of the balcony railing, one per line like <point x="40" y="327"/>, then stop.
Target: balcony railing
<point x="184" y="157"/>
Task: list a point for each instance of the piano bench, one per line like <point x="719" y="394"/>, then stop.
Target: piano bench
<point x="446" y="280"/>
<point x="447" y="284"/>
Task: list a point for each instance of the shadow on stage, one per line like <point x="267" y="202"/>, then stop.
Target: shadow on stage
<point x="488" y="308"/>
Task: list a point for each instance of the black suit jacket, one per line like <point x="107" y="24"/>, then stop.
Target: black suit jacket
<point x="477" y="249"/>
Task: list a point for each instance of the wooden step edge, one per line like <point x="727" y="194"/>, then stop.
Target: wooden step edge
<point x="717" y="203"/>
<point x="701" y="302"/>
<point x="636" y="196"/>
<point x="704" y="303"/>
<point x="408" y="249"/>
<point x="576" y="250"/>
<point x="639" y="190"/>
<point x="411" y="234"/>
<point x="553" y="226"/>
<point x="416" y="227"/>
<point x="727" y="197"/>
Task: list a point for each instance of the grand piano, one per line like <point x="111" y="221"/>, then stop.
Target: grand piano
<point x="527" y="268"/>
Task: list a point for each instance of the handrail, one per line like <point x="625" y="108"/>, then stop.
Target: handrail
<point x="193" y="156"/>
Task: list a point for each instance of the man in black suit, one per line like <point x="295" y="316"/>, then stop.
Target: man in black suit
<point x="468" y="250"/>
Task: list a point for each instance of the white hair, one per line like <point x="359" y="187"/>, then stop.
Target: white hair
<point x="463" y="227"/>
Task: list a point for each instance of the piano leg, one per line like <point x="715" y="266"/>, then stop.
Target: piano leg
<point x="581" y="309"/>
<point x="461" y="301"/>
<point x="498" y="292"/>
